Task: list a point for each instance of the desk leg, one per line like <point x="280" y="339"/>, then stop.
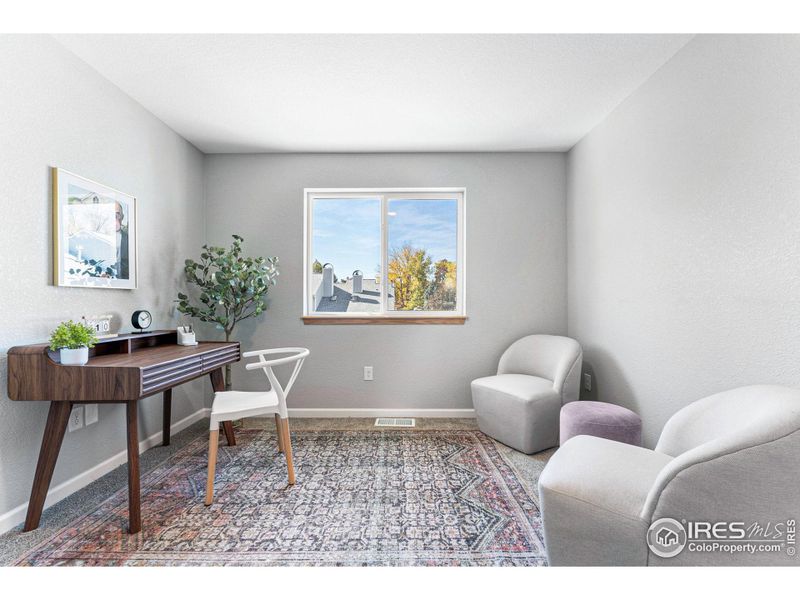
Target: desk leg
<point x="227" y="427"/>
<point x="167" y="422"/>
<point x="134" y="506"/>
<point x="57" y="420"/>
<point x="218" y="383"/>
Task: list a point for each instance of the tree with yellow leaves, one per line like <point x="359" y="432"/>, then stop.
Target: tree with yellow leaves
<point x="441" y="292"/>
<point x="408" y="274"/>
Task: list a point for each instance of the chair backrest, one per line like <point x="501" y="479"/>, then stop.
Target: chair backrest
<point x="551" y="357"/>
<point x="736" y="456"/>
<point x="296" y="356"/>
<point x="728" y="419"/>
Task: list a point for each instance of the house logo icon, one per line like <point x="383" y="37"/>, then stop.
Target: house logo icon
<point x="666" y="538"/>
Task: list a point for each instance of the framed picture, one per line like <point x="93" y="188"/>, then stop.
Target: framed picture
<point x="94" y="234"/>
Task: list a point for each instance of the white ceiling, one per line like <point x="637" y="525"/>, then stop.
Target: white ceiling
<point x="377" y="93"/>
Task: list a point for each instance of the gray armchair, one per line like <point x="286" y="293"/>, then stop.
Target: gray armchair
<point x="520" y="405"/>
<point x="733" y="457"/>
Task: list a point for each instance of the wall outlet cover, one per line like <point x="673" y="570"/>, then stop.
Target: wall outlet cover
<point x="90" y="414"/>
<point x="75" y="418"/>
<point x="368" y="374"/>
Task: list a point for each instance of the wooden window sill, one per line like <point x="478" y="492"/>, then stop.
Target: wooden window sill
<point x="383" y="320"/>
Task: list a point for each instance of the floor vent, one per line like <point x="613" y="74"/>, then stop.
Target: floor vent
<point x="392" y="422"/>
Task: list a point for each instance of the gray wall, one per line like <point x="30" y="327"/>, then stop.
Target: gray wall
<point x="516" y="270"/>
<point x="56" y="111"/>
<point x="684" y="229"/>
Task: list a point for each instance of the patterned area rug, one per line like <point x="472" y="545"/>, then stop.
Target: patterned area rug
<point x="361" y="498"/>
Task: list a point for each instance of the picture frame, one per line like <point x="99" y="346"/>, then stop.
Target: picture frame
<point x="94" y="234"/>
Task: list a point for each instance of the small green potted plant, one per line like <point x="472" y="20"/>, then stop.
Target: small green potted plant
<point x="73" y="340"/>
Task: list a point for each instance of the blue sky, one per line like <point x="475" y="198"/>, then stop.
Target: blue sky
<point x="347" y="232"/>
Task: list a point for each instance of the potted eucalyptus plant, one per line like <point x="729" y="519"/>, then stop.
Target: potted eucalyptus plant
<point x="73" y="341"/>
<point x="230" y="288"/>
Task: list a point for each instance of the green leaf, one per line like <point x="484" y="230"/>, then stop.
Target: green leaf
<point x="229" y="287"/>
<point x="72" y="335"/>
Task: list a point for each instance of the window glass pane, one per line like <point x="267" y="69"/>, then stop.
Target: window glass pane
<point x="345" y="255"/>
<point x="422" y="254"/>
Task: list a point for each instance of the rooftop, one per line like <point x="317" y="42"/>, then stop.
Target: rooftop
<point x="344" y="300"/>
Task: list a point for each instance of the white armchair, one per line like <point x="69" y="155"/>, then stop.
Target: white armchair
<point x="520" y="405"/>
<point x="732" y="457"/>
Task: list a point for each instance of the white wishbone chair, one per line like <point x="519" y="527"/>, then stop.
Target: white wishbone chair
<point x="238" y="405"/>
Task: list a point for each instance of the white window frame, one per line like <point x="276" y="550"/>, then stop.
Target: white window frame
<point x="385" y="195"/>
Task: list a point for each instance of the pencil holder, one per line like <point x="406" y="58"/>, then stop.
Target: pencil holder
<point x="186" y="338"/>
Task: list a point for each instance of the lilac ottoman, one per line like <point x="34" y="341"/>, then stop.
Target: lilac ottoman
<point x="600" y="419"/>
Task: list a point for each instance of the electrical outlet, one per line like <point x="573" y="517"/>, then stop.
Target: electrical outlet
<point x="587" y="382"/>
<point x="76" y="418"/>
<point x="90" y="414"/>
<point x="367" y="373"/>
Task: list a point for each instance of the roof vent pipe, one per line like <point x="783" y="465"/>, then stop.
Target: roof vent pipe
<point x="358" y="282"/>
<point x="327" y="280"/>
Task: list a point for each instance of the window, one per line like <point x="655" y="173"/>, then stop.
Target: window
<point x="384" y="256"/>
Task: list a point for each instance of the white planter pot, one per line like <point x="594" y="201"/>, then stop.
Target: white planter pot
<point x="74" y="356"/>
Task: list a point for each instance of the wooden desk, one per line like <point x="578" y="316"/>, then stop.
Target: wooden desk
<point x="120" y="370"/>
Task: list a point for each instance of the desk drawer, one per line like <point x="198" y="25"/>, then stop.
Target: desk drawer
<point x="219" y="358"/>
<point x="164" y="376"/>
<point x="167" y="375"/>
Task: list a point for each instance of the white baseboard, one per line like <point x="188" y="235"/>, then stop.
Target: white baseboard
<point x="16" y="515"/>
<point x="344" y="413"/>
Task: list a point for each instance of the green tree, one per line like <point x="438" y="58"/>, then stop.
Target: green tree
<point x="441" y="292"/>
<point x="231" y="288"/>
<point x="316" y="267"/>
<point x="408" y="274"/>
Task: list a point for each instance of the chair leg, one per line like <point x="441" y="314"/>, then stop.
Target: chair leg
<point x="279" y="431"/>
<point x="287" y="447"/>
<point x="213" y="442"/>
